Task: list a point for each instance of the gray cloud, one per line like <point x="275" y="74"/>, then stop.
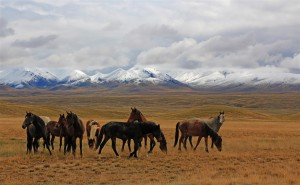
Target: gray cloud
<point x="34" y="42"/>
<point x="4" y="30"/>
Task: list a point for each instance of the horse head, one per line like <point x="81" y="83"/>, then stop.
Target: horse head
<point x="71" y="118"/>
<point x="29" y="117"/>
<point x="218" y="142"/>
<point x="221" y="118"/>
<point x="163" y="144"/>
<point x="136" y="115"/>
<point x="61" y="120"/>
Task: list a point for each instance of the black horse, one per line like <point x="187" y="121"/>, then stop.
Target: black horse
<point x="124" y="131"/>
<point x="35" y="129"/>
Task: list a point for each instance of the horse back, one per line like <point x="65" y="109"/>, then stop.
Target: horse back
<point x="192" y="127"/>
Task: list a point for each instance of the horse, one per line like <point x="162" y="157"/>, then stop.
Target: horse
<point x="92" y="130"/>
<point x="196" y="128"/>
<point x="214" y="123"/>
<point x="35" y="129"/>
<point x="74" y="130"/>
<point x="137" y="115"/>
<point x="123" y="130"/>
<point x="55" y="128"/>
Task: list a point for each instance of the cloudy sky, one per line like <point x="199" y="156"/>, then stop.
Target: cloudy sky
<point x="169" y="35"/>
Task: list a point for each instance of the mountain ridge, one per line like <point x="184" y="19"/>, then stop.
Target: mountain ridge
<point x="216" y="80"/>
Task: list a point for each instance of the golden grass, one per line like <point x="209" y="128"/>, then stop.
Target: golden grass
<point x="261" y="139"/>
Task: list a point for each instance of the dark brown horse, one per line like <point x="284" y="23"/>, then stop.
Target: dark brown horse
<point x="55" y="128"/>
<point x="196" y="128"/>
<point x="92" y="130"/>
<point x="137" y="115"/>
<point x="74" y="130"/>
<point x="35" y="129"/>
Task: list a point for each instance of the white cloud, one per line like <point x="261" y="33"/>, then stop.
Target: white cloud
<point x="170" y="34"/>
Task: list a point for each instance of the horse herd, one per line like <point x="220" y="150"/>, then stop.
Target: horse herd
<point x="137" y="128"/>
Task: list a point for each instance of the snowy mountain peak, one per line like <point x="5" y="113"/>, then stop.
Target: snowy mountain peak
<point x="75" y="77"/>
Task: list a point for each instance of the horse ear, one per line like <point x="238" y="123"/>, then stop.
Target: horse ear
<point x="131" y="108"/>
<point x="158" y="126"/>
<point x="67" y="112"/>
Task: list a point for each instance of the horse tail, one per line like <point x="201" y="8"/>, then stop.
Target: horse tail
<point x="100" y="137"/>
<point x="176" y="133"/>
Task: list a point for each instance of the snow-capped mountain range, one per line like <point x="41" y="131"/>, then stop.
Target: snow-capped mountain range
<point x="235" y="80"/>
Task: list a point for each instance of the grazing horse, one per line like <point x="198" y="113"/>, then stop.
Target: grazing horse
<point x="92" y="130"/>
<point x="55" y="128"/>
<point x="123" y="130"/>
<point x="35" y="129"/>
<point x="214" y="123"/>
<point x="74" y="130"/>
<point x="196" y="128"/>
<point x="137" y="115"/>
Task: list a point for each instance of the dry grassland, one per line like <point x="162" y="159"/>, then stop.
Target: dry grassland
<point x="261" y="140"/>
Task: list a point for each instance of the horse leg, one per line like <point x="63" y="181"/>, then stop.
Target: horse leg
<point x="102" y="144"/>
<point x="65" y="144"/>
<point x="74" y="146"/>
<point x="136" y="147"/>
<point x="198" y="141"/>
<point x="212" y="143"/>
<point x="184" y="142"/>
<point x="52" y="141"/>
<point x="129" y="147"/>
<point x="145" y="138"/>
<point x="206" y="149"/>
<point x="80" y="146"/>
<point x="60" y="143"/>
<point x="113" y="145"/>
<point x="123" y="145"/>
<point x="152" y="145"/>
<point x="29" y="145"/>
<point x="35" y="145"/>
<point x="190" y="139"/>
<point x="180" y="141"/>
<point x="47" y="144"/>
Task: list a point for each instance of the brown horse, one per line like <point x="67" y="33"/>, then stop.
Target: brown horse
<point x="196" y="128"/>
<point x="137" y="115"/>
<point x="214" y="123"/>
<point x="55" y="128"/>
<point x="92" y="130"/>
<point x="74" y="130"/>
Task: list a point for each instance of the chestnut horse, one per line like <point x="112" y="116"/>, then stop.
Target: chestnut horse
<point x="92" y="130"/>
<point x="137" y="115"/>
<point x="74" y="130"/>
<point x="196" y="128"/>
<point x="55" y="128"/>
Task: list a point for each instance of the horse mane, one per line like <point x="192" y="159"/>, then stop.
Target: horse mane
<point x="143" y="117"/>
<point x="212" y="133"/>
<point x="213" y="123"/>
<point x="38" y="122"/>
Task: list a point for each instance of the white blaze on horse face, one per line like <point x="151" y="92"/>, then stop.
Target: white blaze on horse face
<point x="222" y="118"/>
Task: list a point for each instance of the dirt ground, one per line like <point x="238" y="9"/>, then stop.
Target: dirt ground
<point x="253" y="153"/>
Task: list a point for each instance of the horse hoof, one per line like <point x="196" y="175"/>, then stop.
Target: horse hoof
<point x="118" y="156"/>
<point x="99" y="156"/>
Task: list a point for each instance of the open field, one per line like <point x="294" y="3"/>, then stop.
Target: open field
<point x="261" y="139"/>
